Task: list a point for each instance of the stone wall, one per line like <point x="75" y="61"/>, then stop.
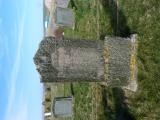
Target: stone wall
<point x="71" y="60"/>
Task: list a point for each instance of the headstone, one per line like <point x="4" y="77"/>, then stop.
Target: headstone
<point x="62" y="107"/>
<point x="64" y="17"/>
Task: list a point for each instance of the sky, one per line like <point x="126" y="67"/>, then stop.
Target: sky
<point x="21" y="30"/>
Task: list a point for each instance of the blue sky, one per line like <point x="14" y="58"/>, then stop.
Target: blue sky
<point x="21" y="30"/>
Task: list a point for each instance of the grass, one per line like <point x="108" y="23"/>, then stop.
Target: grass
<point x="143" y="21"/>
<point x="96" y="19"/>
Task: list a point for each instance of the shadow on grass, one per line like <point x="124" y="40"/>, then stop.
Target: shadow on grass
<point x="121" y="108"/>
<point x="117" y="18"/>
<point x="72" y="89"/>
<point x="108" y="112"/>
<point x="73" y="4"/>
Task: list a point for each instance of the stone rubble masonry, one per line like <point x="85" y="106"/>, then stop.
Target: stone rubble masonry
<point x="76" y="60"/>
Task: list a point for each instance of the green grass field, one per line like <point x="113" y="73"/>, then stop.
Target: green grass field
<point x="94" y="20"/>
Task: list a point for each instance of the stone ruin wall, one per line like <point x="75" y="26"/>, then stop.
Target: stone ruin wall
<point x="86" y="60"/>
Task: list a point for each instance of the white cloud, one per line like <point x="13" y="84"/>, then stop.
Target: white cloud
<point x="4" y="48"/>
<point x="4" y="51"/>
<point x="0" y="3"/>
<point x="0" y="19"/>
<point x="15" y="71"/>
<point x="16" y="65"/>
<point x="1" y="46"/>
<point x="21" y="112"/>
<point x="1" y="40"/>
